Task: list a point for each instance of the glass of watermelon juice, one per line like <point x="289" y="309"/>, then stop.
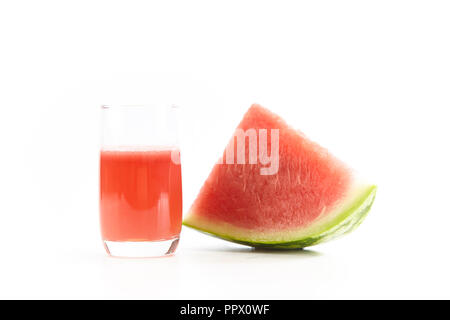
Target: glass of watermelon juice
<point x="140" y="180"/>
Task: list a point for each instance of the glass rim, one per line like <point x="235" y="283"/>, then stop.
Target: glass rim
<point x="144" y="105"/>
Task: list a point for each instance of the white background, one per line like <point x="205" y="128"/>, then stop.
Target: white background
<point x="369" y="80"/>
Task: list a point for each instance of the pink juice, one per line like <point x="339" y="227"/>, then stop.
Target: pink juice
<point x="140" y="195"/>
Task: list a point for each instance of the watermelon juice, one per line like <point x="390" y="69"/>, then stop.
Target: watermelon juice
<point x="140" y="195"/>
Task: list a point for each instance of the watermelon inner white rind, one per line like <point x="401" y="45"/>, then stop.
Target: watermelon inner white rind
<point x="343" y="218"/>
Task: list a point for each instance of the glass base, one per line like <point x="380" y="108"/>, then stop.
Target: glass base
<point x="141" y="249"/>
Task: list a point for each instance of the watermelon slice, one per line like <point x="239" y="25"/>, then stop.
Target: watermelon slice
<point x="311" y="198"/>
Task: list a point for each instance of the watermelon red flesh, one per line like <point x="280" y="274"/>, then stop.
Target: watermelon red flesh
<point x="303" y="203"/>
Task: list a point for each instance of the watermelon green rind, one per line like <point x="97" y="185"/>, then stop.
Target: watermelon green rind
<point x="345" y="218"/>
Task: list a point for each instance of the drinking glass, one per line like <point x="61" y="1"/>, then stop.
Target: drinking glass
<point x="140" y="180"/>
